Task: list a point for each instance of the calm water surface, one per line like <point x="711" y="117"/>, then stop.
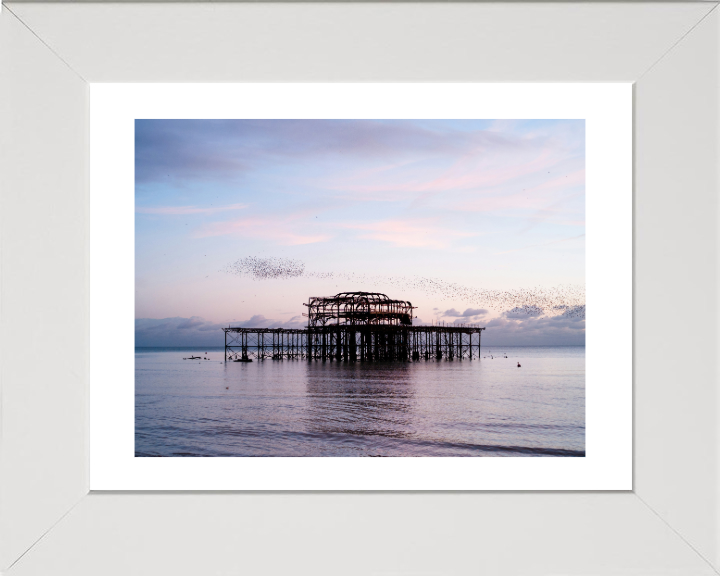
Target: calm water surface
<point x="298" y="408"/>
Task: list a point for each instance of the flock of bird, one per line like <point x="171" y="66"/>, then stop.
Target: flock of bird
<point x="562" y="300"/>
<point x="267" y="268"/>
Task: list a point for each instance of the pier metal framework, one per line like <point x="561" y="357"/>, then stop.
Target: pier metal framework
<point x="355" y="326"/>
<point x="354" y="343"/>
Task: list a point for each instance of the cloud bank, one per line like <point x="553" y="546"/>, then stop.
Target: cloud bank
<point x="196" y="331"/>
<point x="503" y="331"/>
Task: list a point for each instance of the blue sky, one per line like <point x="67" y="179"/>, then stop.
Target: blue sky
<point x="484" y="206"/>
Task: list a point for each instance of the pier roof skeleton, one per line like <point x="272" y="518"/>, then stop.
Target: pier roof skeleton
<point x="358" y="308"/>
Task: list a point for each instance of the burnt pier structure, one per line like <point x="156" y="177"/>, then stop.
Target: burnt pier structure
<point x="355" y="327"/>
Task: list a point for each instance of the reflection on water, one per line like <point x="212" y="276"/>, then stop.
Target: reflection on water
<point x="298" y="408"/>
<point x="359" y="399"/>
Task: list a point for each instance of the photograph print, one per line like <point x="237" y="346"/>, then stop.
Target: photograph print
<point x="347" y="288"/>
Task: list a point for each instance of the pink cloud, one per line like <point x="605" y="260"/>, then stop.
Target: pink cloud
<point x="416" y="233"/>
<point x="478" y="169"/>
<point x="544" y="244"/>
<point x="533" y="197"/>
<point x="283" y="230"/>
<point x="480" y="181"/>
<point x="184" y="210"/>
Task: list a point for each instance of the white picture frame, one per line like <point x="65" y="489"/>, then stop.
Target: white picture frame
<point x="668" y="523"/>
<point x="606" y="111"/>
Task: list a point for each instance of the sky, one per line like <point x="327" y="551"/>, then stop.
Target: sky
<point x="473" y="221"/>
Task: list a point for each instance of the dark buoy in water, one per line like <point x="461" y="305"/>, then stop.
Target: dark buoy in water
<point x="519" y="365"/>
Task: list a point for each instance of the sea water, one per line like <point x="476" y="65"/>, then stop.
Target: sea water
<point x="486" y="407"/>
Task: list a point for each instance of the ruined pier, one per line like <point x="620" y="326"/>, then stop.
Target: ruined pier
<point x="355" y="327"/>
